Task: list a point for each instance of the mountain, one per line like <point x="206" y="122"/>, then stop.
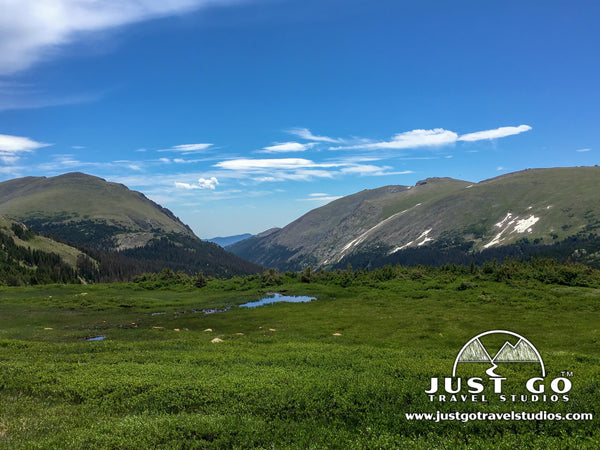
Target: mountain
<point x="228" y="240"/>
<point x="87" y="210"/>
<point x="110" y="219"/>
<point x="439" y="220"/>
<point x="25" y="238"/>
<point x="28" y="258"/>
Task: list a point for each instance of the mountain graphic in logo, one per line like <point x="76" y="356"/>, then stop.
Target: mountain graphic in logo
<point x="522" y="352"/>
<point x="475" y="352"/>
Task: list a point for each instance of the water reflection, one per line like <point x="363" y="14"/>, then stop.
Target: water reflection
<point x="277" y="298"/>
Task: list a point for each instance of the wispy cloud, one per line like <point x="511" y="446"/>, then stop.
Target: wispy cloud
<point x="203" y="183"/>
<point x="13" y="147"/>
<point x="33" y="30"/>
<point x="371" y="170"/>
<point x="494" y="134"/>
<point x="282" y="169"/>
<point x="321" y="198"/>
<point x="300" y="169"/>
<point x="59" y="163"/>
<point x="582" y="150"/>
<point x="23" y="96"/>
<point x="305" y="133"/>
<point x="187" y="149"/>
<point x="409" y="139"/>
<point x="433" y="138"/>
<point x="247" y="164"/>
<point x="286" y="147"/>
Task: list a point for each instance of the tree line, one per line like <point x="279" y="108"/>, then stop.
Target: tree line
<point x="24" y="266"/>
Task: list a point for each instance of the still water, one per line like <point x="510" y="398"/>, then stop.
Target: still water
<point x="275" y="298"/>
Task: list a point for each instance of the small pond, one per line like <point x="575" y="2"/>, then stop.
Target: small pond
<point x="275" y="298"/>
<point x="96" y="338"/>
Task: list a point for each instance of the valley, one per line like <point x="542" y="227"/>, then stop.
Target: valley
<point x="339" y="371"/>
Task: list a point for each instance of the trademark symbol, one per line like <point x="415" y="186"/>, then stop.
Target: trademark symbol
<point x="566" y="373"/>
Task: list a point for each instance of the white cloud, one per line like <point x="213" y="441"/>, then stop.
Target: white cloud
<point x="494" y="134"/>
<point x="15" y="144"/>
<point x="187" y="149"/>
<point x="324" y="199"/>
<point x="282" y="169"/>
<point x="181" y="185"/>
<point x="299" y="169"/>
<point x="286" y="147"/>
<point x="244" y="164"/>
<point x="203" y="183"/>
<point x="209" y="183"/>
<point x="34" y="30"/>
<point x="433" y="138"/>
<point x="362" y="169"/>
<point x="13" y="147"/>
<point x="371" y="170"/>
<point x="306" y="174"/>
<point x="305" y="133"/>
<point x="410" y="139"/>
<point x="581" y="150"/>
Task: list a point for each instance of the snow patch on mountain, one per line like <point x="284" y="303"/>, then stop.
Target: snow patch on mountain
<point x="524" y="225"/>
<point x="363" y="236"/>
<point x="424" y="237"/>
<point x="510" y="225"/>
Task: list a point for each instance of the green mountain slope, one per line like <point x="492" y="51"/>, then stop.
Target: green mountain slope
<point x="28" y="258"/>
<point x="110" y="219"/>
<point x="89" y="209"/>
<point x="23" y="237"/>
<point x="437" y="217"/>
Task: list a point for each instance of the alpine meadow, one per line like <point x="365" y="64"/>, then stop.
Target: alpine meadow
<point x="317" y="224"/>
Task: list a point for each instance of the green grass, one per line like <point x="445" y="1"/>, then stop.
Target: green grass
<point x="149" y="386"/>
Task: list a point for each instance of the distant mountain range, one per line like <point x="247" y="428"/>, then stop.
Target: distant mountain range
<point x="544" y="212"/>
<point x="121" y="227"/>
<point x="103" y="231"/>
<point x="229" y="240"/>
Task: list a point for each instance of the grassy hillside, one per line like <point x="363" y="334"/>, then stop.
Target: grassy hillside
<point x="127" y="233"/>
<point x="338" y="372"/>
<point x="438" y="216"/>
<point x="80" y="199"/>
<point x="27" y="258"/>
<point x="36" y="242"/>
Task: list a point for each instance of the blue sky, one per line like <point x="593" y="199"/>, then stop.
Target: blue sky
<point x="243" y="115"/>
